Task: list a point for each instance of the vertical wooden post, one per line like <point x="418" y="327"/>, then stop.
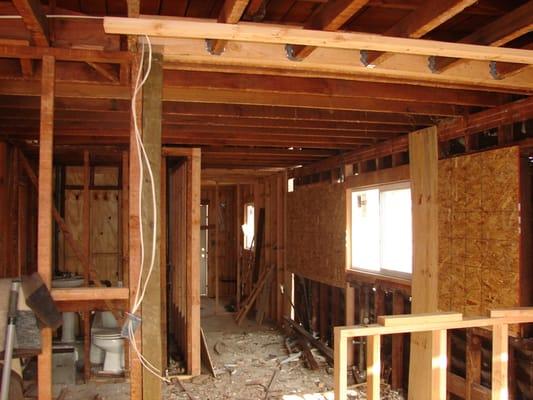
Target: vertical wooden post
<point x="397" y="344"/>
<point x="349" y="318"/>
<point x="217" y="250"/>
<point x="438" y="364"/>
<point x="423" y="155"/>
<point x="500" y="358"/>
<point x="86" y="245"/>
<point x="473" y="362"/>
<point x="339" y="360"/>
<point x="193" y="263"/>
<point x="373" y="367"/>
<point x="44" y="227"/>
<point x="134" y="247"/>
<point x="163" y="261"/>
<point x="124" y="277"/>
<point x="152" y="307"/>
<point x="238" y="245"/>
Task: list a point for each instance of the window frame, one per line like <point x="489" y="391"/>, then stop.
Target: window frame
<point x="383" y="273"/>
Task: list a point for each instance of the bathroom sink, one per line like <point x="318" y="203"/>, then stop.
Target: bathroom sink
<point x="70" y="282"/>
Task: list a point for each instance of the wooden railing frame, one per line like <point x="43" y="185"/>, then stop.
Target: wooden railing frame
<point x="438" y="324"/>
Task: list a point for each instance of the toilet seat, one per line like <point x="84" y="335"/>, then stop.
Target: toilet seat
<point x="107" y="334"/>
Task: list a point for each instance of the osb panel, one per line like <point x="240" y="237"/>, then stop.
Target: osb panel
<point x="479" y="231"/>
<point x="106" y="176"/>
<point x="316" y="233"/>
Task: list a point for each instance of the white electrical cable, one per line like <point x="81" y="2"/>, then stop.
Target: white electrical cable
<point x="143" y="158"/>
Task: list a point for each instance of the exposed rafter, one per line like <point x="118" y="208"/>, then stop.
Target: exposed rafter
<point x="498" y="33"/>
<point x="34" y="19"/>
<point x="424" y="19"/>
<point x="330" y="17"/>
<point x="506" y="70"/>
<point x="231" y="13"/>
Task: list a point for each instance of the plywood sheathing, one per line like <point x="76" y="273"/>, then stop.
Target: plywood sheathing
<point x="316" y="233"/>
<point x="479" y="232"/>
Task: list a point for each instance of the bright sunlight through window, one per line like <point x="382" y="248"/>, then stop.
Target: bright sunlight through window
<point x="382" y="229"/>
<point x="248" y="226"/>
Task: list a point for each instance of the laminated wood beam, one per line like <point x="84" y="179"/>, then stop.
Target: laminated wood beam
<point x="269" y="59"/>
<point x="201" y="29"/>
<point x="44" y="226"/>
<point x="428" y="16"/>
<point x="231" y="13"/>
<point x="497" y="33"/>
<point x="330" y="17"/>
<point x="423" y="156"/>
<point x="152" y="342"/>
<point x="34" y="19"/>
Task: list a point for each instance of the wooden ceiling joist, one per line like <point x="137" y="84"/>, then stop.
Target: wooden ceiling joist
<point x="34" y="19"/>
<point x="293" y="113"/>
<point x="263" y="33"/>
<point x="498" y="33"/>
<point x="506" y="70"/>
<point x="65" y="54"/>
<point x="507" y="114"/>
<point x="330" y="17"/>
<point x="331" y="87"/>
<point x="229" y="96"/>
<point x="418" y="23"/>
<point x="231" y="13"/>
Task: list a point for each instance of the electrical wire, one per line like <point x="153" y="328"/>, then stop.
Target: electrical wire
<point x="143" y="159"/>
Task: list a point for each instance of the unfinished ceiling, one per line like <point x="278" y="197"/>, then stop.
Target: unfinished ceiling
<point x="280" y="112"/>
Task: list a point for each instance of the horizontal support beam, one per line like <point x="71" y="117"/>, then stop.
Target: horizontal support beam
<point x="64" y="54"/>
<point x="262" y="33"/>
<point x="89" y="294"/>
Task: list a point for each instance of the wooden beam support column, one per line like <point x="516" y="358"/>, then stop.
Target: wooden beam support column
<point x="193" y="262"/>
<point x="152" y="342"/>
<point x="423" y="153"/>
<point x="45" y="223"/>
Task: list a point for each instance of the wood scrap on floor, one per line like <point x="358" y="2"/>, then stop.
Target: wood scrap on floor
<point x="250" y="300"/>
<point x="298" y="330"/>
<point x="206" y="357"/>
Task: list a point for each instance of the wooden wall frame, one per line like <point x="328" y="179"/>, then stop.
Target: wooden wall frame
<point x="193" y="157"/>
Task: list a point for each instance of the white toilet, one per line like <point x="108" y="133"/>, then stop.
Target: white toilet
<point x="107" y="345"/>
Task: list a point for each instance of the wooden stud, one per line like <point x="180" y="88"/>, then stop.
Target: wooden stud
<point x="44" y="248"/>
<point x="193" y="263"/>
<point x="349" y="318"/>
<point x="438" y="364"/>
<point x="423" y="153"/>
<point x="217" y="247"/>
<point x="373" y="367"/>
<point x="398" y="307"/>
<point x="473" y="362"/>
<point x="134" y="230"/>
<point x="86" y="246"/>
<point x="238" y="235"/>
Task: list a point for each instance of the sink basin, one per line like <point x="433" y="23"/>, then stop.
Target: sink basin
<point x="71" y="282"/>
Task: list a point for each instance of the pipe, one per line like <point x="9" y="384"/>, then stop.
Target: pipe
<point x="9" y="338"/>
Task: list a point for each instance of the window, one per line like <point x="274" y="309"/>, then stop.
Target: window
<point x="382" y="229"/>
<point x="248" y="227"/>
